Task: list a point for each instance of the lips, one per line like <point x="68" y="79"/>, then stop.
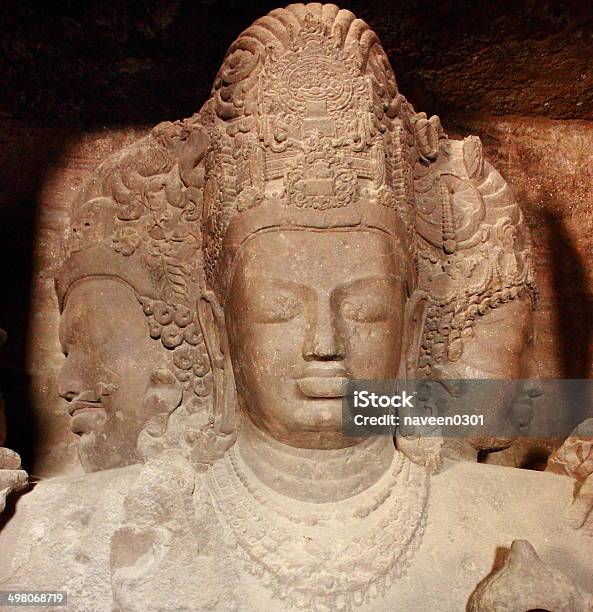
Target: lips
<point x="77" y="405"/>
<point x="86" y="412"/>
<point x="323" y="382"/>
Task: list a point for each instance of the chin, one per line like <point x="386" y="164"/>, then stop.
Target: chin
<point x="323" y="415"/>
<point x="312" y="423"/>
<point x="95" y="457"/>
<point x="88" y="452"/>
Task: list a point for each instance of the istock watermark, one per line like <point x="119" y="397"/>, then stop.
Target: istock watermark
<point x="364" y="399"/>
<point x="467" y="408"/>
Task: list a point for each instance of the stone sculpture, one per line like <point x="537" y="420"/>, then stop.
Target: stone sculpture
<point x="310" y="227"/>
<point x="575" y="459"/>
<point x="127" y="295"/>
<point x="523" y="582"/>
<point x="12" y="477"/>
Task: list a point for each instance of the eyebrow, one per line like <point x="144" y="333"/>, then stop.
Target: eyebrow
<point x="285" y="284"/>
<point x="290" y="284"/>
<point x="388" y="279"/>
<point x="294" y="285"/>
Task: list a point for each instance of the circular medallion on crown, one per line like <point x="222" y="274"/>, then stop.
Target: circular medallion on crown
<point x="316" y="86"/>
<point x="315" y="79"/>
<point x="313" y="104"/>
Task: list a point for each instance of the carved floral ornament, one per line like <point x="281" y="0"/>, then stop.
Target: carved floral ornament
<point x="305" y="118"/>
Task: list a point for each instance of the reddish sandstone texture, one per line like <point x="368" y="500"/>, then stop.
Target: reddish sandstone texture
<point x="72" y="76"/>
<point x="547" y="164"/>
<point x="544" y="161"/>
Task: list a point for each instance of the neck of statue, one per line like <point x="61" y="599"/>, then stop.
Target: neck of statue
<point x="311" y="475"/>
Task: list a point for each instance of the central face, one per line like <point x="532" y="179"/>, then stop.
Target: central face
<point x="309" y="310"/>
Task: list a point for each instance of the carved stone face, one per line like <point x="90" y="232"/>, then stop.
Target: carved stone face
<point x="503" y="339"/>
<point x="109" y="361"/>
<point x="306" y="311"/>
<point x="501" y="348"/>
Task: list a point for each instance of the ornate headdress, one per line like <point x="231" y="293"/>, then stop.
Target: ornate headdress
<point x="307" y="128"/>
<point x="474" y="249"/>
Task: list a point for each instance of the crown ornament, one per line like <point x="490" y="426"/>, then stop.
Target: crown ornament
<point x="306" y="114"/>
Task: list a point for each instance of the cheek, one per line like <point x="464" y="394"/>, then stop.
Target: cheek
<point x="127" y="363"/>
<point x="269" y="350"/>
<point x="497" y="353"/>
<point x="374" y="349"/>
<point x="128" y="367"/>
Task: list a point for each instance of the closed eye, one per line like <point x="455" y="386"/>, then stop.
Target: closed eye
<point x="277" y="306"/>
<point x="365" y="309"/>
<point x="368" y="300"/>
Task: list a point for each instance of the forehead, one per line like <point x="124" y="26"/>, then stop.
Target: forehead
<point x="102" y="310"/>
<point x="95" y="298"/>
<point x="320" y="256"/>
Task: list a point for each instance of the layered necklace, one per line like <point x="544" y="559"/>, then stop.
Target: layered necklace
<point x="328" y="555"/>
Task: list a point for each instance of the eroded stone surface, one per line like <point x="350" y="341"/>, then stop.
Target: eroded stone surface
<point x="12" y="478"/>
<point x="575" y="459"/>
<point x="523" y="582"/>
<point x="325" y="230"/>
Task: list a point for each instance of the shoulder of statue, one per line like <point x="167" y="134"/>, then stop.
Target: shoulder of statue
<point x="169" y="491"/>
<point x="80" y="486"/>
<point x="521" y="491"/>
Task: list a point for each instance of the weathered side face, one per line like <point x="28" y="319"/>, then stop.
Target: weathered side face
<point x="501" y="348"/>
<point x="507" y="332"/>
<point x="109" y="361"/>
<point x="306" y="311"/>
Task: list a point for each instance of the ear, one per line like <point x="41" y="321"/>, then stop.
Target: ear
<point x="211" y="318"/>
<point x="414" y="320"/>
<point x="213" y="324"/>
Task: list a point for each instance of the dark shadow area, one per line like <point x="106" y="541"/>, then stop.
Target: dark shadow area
<point x="536" y="458"/>
<point x="574" y="306"/>
<point x="26" y="158"/>
<point x="105" y="62"/>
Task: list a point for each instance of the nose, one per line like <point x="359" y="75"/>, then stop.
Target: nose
<point x="69" y="384"/>
<point x="323" y="341"/>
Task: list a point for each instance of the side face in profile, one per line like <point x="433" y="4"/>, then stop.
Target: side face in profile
<point x="127" y="293"/>
<point x="109" y="360"/>
<point x="500" y="348"/>
<point x="302" y="319"/>
<point x="507" y="332"/>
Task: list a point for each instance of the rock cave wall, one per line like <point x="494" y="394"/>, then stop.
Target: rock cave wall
<point x="81" y="80"/>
